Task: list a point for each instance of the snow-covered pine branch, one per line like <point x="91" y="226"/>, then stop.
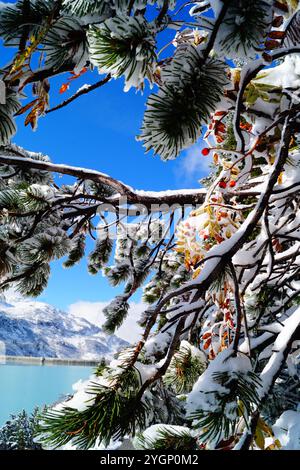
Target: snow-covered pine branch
<point x="218" y="362"/>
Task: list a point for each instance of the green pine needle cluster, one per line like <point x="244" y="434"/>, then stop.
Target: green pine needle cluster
<point x="168" y="438"/>
<point x="77" y="252"/>
<point x="45" y="246"/>
<point x="34" y="280"/>
<point x="184" y="370"/>
<point x="29" y="14"/>
<point x="175" y="114"/>
<point x="115" y="314"/>
<point x="118" y="273"/>
<point x="238" y="401"/>
<point x="100" y="255"/>
<point x="124" y="46"/>
<point x="66" y="43"/>
<point x="86" y="7"/>
<point x="244" y="27"/>
<point x="113" y="412"/>
<point x="7" y="111"/>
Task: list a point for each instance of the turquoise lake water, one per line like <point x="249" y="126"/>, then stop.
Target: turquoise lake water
<point x="27" y="386"/>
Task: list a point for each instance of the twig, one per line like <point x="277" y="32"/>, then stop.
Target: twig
<point x="80" y="92"/>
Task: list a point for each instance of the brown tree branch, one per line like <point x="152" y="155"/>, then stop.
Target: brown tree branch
<point x="162" y="12"/>
<point x="80" y="92"/>
<point x="133" y="196"/>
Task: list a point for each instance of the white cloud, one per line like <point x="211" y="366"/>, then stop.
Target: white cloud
<point x="192" y="165"/>
<point x="93" y="312"/>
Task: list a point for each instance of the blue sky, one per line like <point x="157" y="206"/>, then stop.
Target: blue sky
<point x="98" y="131"/>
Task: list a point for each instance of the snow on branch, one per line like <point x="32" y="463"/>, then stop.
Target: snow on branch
<point x="217" y="267"/>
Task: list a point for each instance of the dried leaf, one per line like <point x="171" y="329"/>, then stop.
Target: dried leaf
<point x="259" y="438"/>
<point x="26" y="107"/>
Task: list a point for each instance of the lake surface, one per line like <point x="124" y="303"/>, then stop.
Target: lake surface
<point x="27" y="386"/>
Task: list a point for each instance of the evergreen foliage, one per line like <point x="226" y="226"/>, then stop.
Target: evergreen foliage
<point x="186" y="366"/>
<point x="238" y="396"/>
<point x="115" y="314"/>
<point x="115" y="411"/>
<point x="7" y="111"/>
<point x="244" y="31"/>
<point x="217" y="362"/>
<point x="124" y="46"/>
<point x="86" y="7"/>
<point x="190" y="92"/>
<point x="66" y="42"/>
<point x="77" y="252"/>
<point x="112" y="416"/>
<point x="100" y="256"/>
<point x="168" y="438"/>
<point x="25" y="14"/>
<point x="19" y="431"/>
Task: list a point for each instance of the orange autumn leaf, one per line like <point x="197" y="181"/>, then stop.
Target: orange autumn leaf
<point x="246" y="126"/>
<point x="206" y="335"/>
<point x="31" y="119"/>
<point x="281" y="6"/>
<point x="267" y="57"/>
<point x="220" y="127"/>
<point x="63" y="88"/>
<point x="207" y="344"/>
<point x="216" y="158"/>
<point x="76" y="75"/>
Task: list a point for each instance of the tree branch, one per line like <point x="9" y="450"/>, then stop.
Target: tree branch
<point x="80" y="92"/>
<point x="282" y="347"/>
<point x="239" y="238"/>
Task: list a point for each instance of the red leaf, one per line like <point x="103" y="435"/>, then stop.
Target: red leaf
<point x="278" y="20"/>
<point x="63" y="88"/>
<point x="271" y="44"/>
<point x="276" y="34"/>
<point x="206" y="335"/>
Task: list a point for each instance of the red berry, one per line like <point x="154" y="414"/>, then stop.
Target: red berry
<point x="205" y="151"/>
<point x="232" y="184"/>
<point x="222" y="184"/>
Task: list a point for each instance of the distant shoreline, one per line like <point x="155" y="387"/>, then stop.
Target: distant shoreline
<point x="47" y="361"/>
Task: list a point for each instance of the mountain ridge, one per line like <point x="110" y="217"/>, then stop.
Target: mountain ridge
<point x="32" y="328"/>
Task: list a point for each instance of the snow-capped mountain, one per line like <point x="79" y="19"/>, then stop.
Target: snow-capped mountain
<point x="30" y="328"/>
